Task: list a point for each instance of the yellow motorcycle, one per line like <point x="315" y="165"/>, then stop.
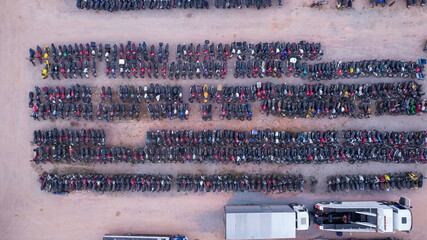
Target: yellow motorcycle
<point x="387" y="182"/>
<point x="45" y="71"/>
<point x="46" y="53"/>
<point x="414" y="180"/>
<point x="368" y="112"/>
<point x="205" y="93"/>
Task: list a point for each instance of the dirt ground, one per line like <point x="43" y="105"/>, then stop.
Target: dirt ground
<point x="28" y="213"/>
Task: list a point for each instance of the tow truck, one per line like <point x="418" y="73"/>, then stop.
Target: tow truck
<point x="364" y="216"/>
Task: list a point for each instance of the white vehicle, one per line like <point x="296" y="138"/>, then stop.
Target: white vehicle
<point x="364" y="216"/>
<point x="143" y="237"/>
<point x="265" y="221"/>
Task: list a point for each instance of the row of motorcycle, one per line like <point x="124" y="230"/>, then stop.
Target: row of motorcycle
<point x="187" y="52"/>
<point x="126" y="94"/>
<point x="226" y="137"/>
<point x="308" y="100"/>
<point x="385" y="68"/>
<point x="343" y="108"/>
<point x="75" y="102"/>
<point x="270" y="183"/>
<point x="67" y="136"/>
<point x="401" y="106"/>
<point x="186" y="183"/>
<point x="109" y="112"/>
<point x="173" y="110"/>
<point x="267" y="91"/>
<point x="313" y="100"/>
<point x="244" y="69"/>
<point x="228" y="111"/>
<point x="384" y="3"/>
<point x="267" y="137"/>
<point x="366" y="183"/>
<point x="64" y="184"/>
<point x="71" y="94"/>
<point x="240" y="112"/>
<point x="85" y="111"/>
<point x="349" y="3"/>
<point x="265" y="59"/>
<point x="218" y="154"/>
<point x="223" y="146"/>
<point x="127" y="5"/>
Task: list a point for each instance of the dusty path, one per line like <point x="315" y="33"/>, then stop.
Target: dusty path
<point x="27" y="213"/>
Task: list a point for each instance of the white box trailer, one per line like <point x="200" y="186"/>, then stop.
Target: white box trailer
<point x="142" y="237"/>
<point x="265" y="221"/>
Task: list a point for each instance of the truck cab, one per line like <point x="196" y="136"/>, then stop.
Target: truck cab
<point x="402" y="219"/>
<point x="302" y="218"/>
<point x="402" y="215"/>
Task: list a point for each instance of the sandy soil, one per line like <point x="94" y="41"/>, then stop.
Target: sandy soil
<point x="27" y="213"/>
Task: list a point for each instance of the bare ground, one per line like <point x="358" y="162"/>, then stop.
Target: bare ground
<point x="27" y="213"/>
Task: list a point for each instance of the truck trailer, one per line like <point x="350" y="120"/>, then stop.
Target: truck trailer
<point x="264" y="221"/>
<point x="130" y="236"/>
<point x="364" y="216"/>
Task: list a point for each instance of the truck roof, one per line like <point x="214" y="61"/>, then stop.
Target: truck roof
<point x="402" y="219"/>
<point x="130" y="236"/>
<point x="260" y="222"/>
<point x="135" y="237"/>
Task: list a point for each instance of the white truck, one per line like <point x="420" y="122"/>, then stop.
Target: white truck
<point x="364" y="216"/>
<point x="265" y="221"/>
<point x="130" y="236"/>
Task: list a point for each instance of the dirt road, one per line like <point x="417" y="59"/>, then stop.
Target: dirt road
<point x="27" y="213"/>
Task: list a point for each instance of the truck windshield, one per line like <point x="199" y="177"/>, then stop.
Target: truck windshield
<point x="303" y="221"/>
<point x="404" y="221"/>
